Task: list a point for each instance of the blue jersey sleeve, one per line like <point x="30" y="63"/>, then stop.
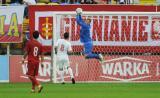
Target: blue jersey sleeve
<point x="80" y="21"/>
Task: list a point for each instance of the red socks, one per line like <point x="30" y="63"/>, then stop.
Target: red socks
<point x="34" y="82"/>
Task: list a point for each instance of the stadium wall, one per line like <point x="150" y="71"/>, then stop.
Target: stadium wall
<point x="18" y="70"/>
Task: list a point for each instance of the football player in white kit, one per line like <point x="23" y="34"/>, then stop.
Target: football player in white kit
<point x="63" y="47"/>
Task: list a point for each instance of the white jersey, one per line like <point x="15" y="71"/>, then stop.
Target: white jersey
<point x="63" y="46"/>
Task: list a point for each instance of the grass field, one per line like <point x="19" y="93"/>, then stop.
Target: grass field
<point x="82" y="90"/>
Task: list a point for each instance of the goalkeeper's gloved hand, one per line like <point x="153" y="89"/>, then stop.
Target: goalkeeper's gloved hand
<point x="79" y="11"/>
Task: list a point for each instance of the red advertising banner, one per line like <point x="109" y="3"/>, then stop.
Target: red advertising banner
<point x="11" y="20"/>
<point x="114" y="69"/>
<point x="118" y="69"/>
<point x="110" y="32"/>
<point x="18" y="70"/>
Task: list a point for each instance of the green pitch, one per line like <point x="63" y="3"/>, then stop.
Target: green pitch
<point x="82" y="90"/>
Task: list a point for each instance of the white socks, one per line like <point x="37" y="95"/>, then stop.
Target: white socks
<point x="70" y="72"/>
<point x="62" y="76"/>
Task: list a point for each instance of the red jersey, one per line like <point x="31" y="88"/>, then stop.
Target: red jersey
<point x="34" y="49"/>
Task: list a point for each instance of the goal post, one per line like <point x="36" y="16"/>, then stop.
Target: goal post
<point x="122" y="37"/>
<point x="53" y="55"/>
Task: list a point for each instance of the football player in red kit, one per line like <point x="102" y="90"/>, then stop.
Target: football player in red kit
<point x="33" y="50"/>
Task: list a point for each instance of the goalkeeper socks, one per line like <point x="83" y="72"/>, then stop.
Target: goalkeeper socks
<point x="70" y="72"/>
<point x="91" y="55"/>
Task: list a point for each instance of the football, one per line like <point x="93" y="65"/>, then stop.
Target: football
<point x="79" y="10"/>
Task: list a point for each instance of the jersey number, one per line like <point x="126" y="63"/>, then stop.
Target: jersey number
<point x="62" y="48"/>
<point x="35" y="52"/>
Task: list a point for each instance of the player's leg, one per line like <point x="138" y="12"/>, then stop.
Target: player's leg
<point x="70" y="71"/>
<point x="30" y="74"/>
<point x="88" y="52"/>
<point x="60" y="64"/>
<point x="71" y="75"/>
<point x="33" y="84"/>
<point x="62" y="75"/>
<point x="40" y="87"/>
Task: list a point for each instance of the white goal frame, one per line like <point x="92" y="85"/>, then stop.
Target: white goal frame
<point x="55" y="13"/>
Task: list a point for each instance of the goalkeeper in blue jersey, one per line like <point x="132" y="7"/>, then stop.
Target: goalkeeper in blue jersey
<point x="86" y="39"/>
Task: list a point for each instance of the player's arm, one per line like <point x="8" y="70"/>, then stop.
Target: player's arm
<point x="26" y="49"/>
<point x="157" y="34"/>
<point x="24" y="56"/>
<point x="41" y="56"/>
<point x="56" y="47"/>
<point x="80" y="20"/>
<point x="69" y="51"/>
<point x="42" y="59"/>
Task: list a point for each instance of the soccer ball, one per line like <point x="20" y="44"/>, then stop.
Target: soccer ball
<point x="79" y="10"/>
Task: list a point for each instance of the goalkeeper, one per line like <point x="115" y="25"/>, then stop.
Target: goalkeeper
<point x="85" y="37"/>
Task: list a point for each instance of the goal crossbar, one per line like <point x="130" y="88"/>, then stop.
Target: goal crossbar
<point x="105" y="13"/>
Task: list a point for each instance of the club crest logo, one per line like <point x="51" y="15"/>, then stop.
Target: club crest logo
<point x="46" y="27"/>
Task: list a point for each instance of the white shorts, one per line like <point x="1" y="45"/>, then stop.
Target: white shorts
<point x="62" y="63"/>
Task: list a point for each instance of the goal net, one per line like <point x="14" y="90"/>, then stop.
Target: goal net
<point x="129" y="42"/>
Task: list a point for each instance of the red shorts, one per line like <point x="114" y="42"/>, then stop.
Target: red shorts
<point x="33" y="68"/>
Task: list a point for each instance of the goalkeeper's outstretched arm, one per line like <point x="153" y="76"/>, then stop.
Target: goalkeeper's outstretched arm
<point x="80" y="21"/>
